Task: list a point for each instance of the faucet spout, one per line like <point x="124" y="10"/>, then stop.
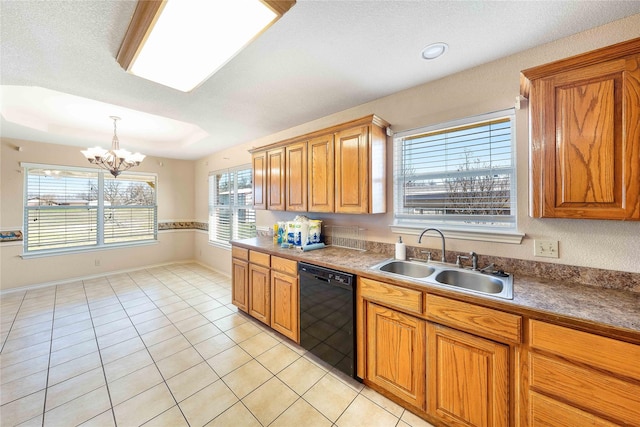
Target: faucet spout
<point x="441" y="237"/>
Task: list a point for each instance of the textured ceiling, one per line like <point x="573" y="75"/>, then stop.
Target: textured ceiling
<point x="322" y="57"/>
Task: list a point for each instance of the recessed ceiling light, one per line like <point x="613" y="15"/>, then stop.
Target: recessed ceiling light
<point x="434" y="50"/>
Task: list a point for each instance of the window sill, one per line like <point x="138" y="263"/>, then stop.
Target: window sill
<point x="57" y="252"/>
<point x="511" y="237"/>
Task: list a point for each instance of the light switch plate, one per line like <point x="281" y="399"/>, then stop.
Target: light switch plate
<point x="546" y="248"/>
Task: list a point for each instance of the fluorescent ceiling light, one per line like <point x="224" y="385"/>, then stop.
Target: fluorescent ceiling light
<point x="181" y="43"/>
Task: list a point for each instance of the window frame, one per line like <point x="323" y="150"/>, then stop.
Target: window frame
<point x="100" y="212"/>
<point x="234" y="207"/>
<point x="403" y="224"/>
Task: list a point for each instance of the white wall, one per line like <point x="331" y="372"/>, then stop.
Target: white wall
<point x="602" y="244"/>
<point x="175" y="203"/>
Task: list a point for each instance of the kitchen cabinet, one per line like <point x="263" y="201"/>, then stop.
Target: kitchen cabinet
<point x="259" y="163"/>
<point x="579" y="378"/>
<point x="285" y="311"/>
<point x="449" y="360"/>
<point x="585" y="134"/>
<point x="276" y="183"/>
<point x="396" y="353"/>
<point x="260" y="286"/>
<point x="240" y="278"/>
<point x="391" y="340"/>
<point x="360" y="173"/>
<point x="468" y="378"/>
<point x="321" y="174"/>
<point x="296" y="177"/>
<point x="340" y="169"/>
<point x="267" y="288"/>
<point x="469" y="366"/>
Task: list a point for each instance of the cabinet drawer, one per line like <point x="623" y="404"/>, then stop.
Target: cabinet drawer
<point x="391" y="296"/>
<point x="284" y="265"/>
<point x="483" y="321"/>
<point x="259" y="258"/>
<point x="585" y="388"/>
<point x="240" y="253"/>
<point x="595" y="350"/>
<point x="545" y="411"/>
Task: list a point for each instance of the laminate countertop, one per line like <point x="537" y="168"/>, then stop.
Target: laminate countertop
<point x="610" y="312"/>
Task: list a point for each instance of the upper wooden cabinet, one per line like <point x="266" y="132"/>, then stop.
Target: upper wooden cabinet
<point x="259" y="162"/>
<point x="339" y="169"/>
<point x="276" y="179"/>
<point x="296" y="177"/>
<point x="585" y="134"/>
<point x="321" y="174"/>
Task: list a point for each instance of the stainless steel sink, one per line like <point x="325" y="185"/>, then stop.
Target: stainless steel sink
<point x="472" y="281"/>
<point x="441" y="274"/>
<point x="407" y="268"/>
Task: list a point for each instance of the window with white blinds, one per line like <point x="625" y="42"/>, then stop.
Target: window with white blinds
<point x="231" y="213"/>
<point x="458" y="175"/>
<point x="73" y="208"/>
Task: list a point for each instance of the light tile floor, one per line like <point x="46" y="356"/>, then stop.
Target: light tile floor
<point x="165" y="347"/>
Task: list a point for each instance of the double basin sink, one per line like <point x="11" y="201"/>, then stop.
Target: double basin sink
<point x="498" y="284"/>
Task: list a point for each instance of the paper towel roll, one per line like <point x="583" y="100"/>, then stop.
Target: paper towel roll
<point x="312" y="247"/>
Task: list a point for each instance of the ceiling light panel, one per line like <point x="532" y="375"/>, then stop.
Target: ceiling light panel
<point x="189" y="40"/>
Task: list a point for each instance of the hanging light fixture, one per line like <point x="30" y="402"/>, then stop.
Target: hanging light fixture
<point x="114" y="160"/>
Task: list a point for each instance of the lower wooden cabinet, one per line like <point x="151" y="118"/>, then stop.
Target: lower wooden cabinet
<point x="266" y="287"/>
<point x="240" y="278"/>
<point x="240" y="284"/>
<point x="396" y="353"/>
<point x="581" y="378"/>
<point x="285" y="297"/>
<point x="468" y="378"/>
<point x="260" y="293"/>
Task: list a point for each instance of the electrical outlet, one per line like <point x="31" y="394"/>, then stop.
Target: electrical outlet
<point x="546" y="248"/>
<point x="97" y="263"/>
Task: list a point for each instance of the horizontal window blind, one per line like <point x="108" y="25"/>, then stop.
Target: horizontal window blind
<point x="129" y="208"/>
<point x="463" y="176"/>
<point x="231" y="213"/>
<point x="69" y="208"/>
<point x="61" y="209"/>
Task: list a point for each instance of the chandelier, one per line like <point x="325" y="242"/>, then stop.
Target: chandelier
<point x="114" y="160"/>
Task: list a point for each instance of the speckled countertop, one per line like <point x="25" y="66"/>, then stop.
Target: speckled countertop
<point x="611" y="312"/>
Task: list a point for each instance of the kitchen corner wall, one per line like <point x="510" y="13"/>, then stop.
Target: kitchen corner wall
<point x="612" y="245"/>
<point x="175" y="204"/>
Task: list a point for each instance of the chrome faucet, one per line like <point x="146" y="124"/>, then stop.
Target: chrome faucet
<point x="441" y="237"/>
<point x="474" y="261"/>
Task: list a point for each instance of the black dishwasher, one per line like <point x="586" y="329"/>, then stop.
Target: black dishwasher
<point x="327" y="305"/>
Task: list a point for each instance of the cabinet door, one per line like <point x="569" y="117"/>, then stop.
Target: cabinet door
<point x="321" y="171"/>
<point x="284" y="305"/>
<point x="240" y="284"/>
<point x="259" y="161"/>
<point x="352" y="170"/>
<point x="276" y="179"/>
<point x="259" y="293"/>
<point x="468" y="379"/>
<point x="586" y="142"/>
<point x="296" y="177"/>
<point x="395" y="353"/>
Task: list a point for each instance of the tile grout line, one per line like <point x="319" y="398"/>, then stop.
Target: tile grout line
<point x="104" y="374"/>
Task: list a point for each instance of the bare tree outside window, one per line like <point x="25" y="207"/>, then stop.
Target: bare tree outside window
<point x="478" y="192"/>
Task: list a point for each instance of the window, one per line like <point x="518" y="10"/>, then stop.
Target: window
<point x="457" y="176"/>
<point x="73" y="208"/>
<point x="231" y="213"/>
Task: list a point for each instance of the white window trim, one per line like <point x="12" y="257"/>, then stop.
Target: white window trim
<point x="100" y="238"/>
<point x="482" y="233"/>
